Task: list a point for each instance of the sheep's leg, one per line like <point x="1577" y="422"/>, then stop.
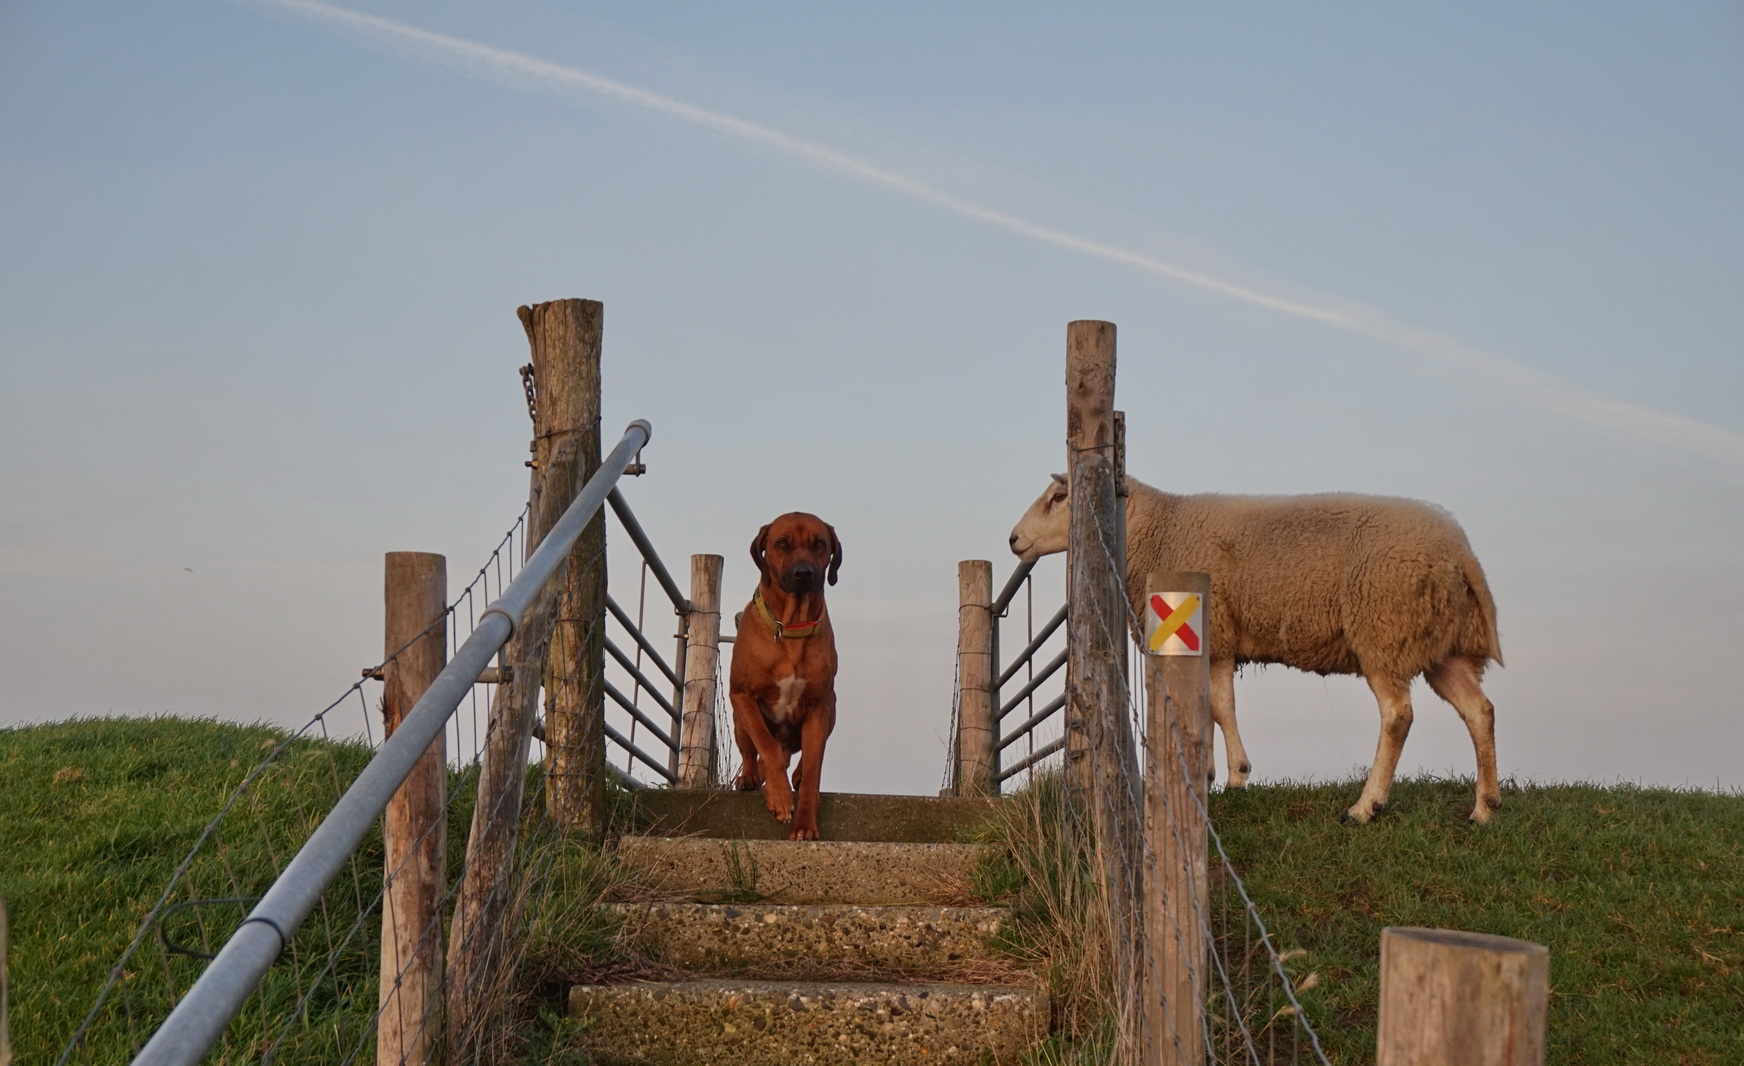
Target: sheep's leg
<point x="1394" y="696"/>
<point x="1456" y="681"/>
<point x="1223" y="713"/>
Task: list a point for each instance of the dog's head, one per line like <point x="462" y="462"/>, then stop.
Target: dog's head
<point x="797" y="552"/>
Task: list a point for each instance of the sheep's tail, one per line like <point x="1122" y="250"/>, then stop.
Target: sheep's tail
<point x="1481" y="636"/>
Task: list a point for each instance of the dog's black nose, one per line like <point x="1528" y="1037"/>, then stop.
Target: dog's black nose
<point x="803" y="578"/>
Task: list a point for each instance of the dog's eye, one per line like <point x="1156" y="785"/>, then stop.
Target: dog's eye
<point x="817" y="542"/>
<point x="784" y="543"/>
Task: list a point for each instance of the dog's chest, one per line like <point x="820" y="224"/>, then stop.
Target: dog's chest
<point x="788" y="690"/>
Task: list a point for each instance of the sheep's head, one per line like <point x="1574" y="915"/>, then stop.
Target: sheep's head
<point x="1044" y="528"/>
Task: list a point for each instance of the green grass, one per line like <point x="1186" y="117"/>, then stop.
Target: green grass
<point x="96" y="814"/>
<point x="1638" y="893"/>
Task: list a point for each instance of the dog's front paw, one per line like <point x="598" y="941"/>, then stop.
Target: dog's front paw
<point x="747" y="782"/>
<point x="801" y="832"/>
<point x="780" y="805"/>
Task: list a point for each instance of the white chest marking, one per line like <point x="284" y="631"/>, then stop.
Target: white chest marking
<point x="791" y="688"/>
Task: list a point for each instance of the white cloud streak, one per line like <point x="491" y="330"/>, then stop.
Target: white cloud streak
<point x="1628" y="422"/>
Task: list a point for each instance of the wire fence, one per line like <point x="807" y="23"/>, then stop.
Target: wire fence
<point x="323" y="1000"/>
<point x="1251" y="1013"/>
<point x="316" y="1004"/>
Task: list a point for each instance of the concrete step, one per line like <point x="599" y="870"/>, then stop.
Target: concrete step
<point x="916" y="942"/>
<point x="841" y="816"/>
<point x="774" y="1023"/>
<point x="708" y="870"/>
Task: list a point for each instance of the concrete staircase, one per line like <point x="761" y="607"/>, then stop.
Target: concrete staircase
<point x="864" y="947"/>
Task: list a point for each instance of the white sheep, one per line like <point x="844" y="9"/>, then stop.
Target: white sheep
<point x="1337" y="584"/>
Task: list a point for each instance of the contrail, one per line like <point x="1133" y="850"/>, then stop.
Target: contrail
<point x="1626" y="421"/>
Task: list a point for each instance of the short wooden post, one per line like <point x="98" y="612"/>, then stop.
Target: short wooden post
<point x="1461" y="999"/>
<point x="977" y="733"/>
<point x="1097" y="700"/>
<point x="565" y="338"/>
<point x="702" y="671"/>
<point x="414" y="827"/>
<point x="5" y="1033"/>
<point x="1177" y="767"/>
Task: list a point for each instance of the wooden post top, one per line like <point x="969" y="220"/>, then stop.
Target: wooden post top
<point x="1089" y="384"/>
<point x="1456" y="938"/>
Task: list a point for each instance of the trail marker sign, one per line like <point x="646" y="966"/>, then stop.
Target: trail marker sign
<point x="1175" y="624"/>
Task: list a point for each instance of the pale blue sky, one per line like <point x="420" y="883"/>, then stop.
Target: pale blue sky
<point x="259" y="277"/>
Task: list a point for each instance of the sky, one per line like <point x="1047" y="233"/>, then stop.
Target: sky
<point x="261" y="262"/>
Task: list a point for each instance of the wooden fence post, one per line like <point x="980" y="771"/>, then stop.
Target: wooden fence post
<point x="1097" y="698"/>
<point x="414" y="826"/>
<point x="977" y="732"/>
<point x="702" y="669"/>
<point x="1177" y="767"/>
<point x="481" y="931"/>
<point x="1450" y="998"/>
<point x="565" y="338"/>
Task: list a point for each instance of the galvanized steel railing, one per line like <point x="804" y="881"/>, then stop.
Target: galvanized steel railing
<point x="657" y="726"/>
<point x="200" y="1018"/>
<point x="1032" y="680"/>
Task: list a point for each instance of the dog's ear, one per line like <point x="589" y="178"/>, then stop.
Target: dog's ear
<point x="835" y="553"/>
<point x="758" y="543"/>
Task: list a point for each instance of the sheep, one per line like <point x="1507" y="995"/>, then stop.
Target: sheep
<point x="1379" y="586"/>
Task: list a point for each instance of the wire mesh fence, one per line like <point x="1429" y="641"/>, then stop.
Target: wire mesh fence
<point x="341" y="976"/>
<point x="319" y="1003"/>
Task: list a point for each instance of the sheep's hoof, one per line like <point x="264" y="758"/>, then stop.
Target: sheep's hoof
<point x="1355" y="814"/>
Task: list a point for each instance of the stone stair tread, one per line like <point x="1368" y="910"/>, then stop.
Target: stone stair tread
<point x="752" y="1023"/>
<point x="708" y="869"/>
<point x="722" y="938"/>
<point x="841" y="815"/>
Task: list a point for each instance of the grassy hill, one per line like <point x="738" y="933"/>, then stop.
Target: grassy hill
<point x="1639" y="893"/>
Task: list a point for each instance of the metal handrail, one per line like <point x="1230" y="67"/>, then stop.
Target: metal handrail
<point x="200" y="1018"/>
<point x="1040" y="753"/>
<point x="638" y="714"/>
<point x="1032" y="721"/>
<point x="621" y="507"/>
<point x="642" y="641"/>
<point x="642" y="679"/>
<point x="1030" y="686"/>
<point x="1003" y="707"/>
<point x="1058" y="620"/>
<point x="1012" y="584"/>
<point x="624" y="742"/>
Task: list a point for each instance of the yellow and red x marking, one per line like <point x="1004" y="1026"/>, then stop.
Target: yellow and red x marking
<point x="1174" y="622"/>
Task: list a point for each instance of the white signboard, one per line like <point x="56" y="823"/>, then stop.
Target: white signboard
<point x="1175" y="624"/>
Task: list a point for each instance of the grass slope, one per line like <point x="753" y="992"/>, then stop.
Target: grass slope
<point x="95" y="815"/>
<point x="1638" y="893"/>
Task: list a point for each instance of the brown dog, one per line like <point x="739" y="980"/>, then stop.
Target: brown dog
<point x="783" y="683"/>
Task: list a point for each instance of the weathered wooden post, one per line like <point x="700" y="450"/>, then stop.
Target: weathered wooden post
<point x="702" y="668"/>
<point x="481" y="929"/>
<point x="1461" y="999"/>
<point x="1177" y="766"/>
<point x="977" y="733"/>
<point x="1097" y="701"/>
<point x="414" y="826"/>
<point x="565" y="338"/>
